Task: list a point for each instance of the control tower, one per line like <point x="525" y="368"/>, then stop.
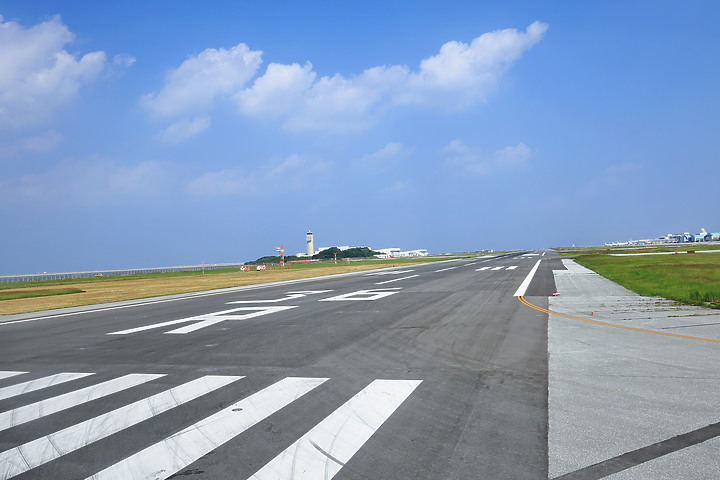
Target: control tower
<point x="310" y="244"/>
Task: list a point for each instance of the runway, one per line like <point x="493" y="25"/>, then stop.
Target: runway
<point x="430" y="371"/>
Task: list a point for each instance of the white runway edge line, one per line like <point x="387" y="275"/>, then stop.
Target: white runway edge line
<point x="18" y="416"/>
<point x="38" y="384"/>
<point x="6" y="374"/>
<point x="324" y="450"/>
<point x="526" y="283"/>
<point x="396" y="280"/>
<point x="174" y="453"/>
<point x="38" y="452"/>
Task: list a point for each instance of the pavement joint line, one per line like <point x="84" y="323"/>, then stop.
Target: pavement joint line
<point x="525" y="302"/>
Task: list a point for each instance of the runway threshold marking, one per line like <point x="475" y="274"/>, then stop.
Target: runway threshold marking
<point x="328" y="446"/>
<point x="176" y="452"/>
<point x="20" y="415"/>
<point x="525" y="302"/>
<point x="45" y="449"/>
<point x="39" y="383"/>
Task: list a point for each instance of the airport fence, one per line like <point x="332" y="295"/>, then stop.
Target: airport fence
<point x="113" y="273"/>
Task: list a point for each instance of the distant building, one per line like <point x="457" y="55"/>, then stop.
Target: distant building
<point x="685" y="237"/>
<point x="397" y="253"/>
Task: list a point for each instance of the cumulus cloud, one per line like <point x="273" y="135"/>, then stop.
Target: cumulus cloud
<point x="296" y="96"/>
<point x="473" y="160"/>
<point x="198" y="81"/>
<point x="184" y="129"/>
<point x="294" y="172"/>
<point x="38" y="75"/>
<point x="459" y="75"/>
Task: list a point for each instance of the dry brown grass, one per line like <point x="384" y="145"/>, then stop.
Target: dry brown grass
<point x="113" y="291"/>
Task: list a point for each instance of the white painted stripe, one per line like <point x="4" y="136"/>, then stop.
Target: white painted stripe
<point x="7" y="374"/>
<point x="150" y="327"/>
<point x="496" y="268"/>
<point x="526" y="283"/>
<point x="445" y="269"/>
<point x="396" y="279"/>
<point x="174" y="453"/>
<point x="389" y="272"/>
<point x="38" y="452"/>
<point x="324" y="450"/>
<point x="363" y="295"/>
<point x="39" y="383"/>
<point x="206" y="320"/>
<point x="473" y="263"/>
<point x="18" y="416"/>
<point x="288" y="296"/>
<point x="513" y="267"/>
<point x="209" y="320"/>
<point x="482" y="268"/>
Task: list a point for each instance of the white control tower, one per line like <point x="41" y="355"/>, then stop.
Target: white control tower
<point x="310" y="244"/>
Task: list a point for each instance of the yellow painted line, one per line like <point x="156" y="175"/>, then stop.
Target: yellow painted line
<point x="525" y="302"/>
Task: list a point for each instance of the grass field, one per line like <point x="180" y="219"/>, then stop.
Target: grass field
<point x="690" y="278"/>
<point x="28" y="293"/>
<point x="111" y="289"/>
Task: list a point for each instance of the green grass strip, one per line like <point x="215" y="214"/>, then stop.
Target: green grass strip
<point x="37" y="293"/>
<point x="688" y="278"/>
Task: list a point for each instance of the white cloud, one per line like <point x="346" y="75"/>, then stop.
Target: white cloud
<point x="198" y="81"/>
<point x="224" y="182"/>
<point x="382" y="159"/>
<point x="184" y="129"/>
<point x="38" y="75"/>
<point x="123" y="60"/>
<point x="88" y="183"/>
<point x="473" y="160"/>
<point x="294" y="172"/>
<point x="296" y="96"/>
<point x="461" y="74"/>
<point x="42" y="143"/>
<point x="458" y="76"/>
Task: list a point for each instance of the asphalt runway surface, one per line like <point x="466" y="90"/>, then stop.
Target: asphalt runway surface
<point x="431" y="371"/>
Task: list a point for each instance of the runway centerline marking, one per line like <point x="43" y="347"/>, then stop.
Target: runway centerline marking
<point x="391" y="272"/>
<point x="526" y="283"/>
<point x="288" y="296"/>
<point x="396" y="279"/>
<point x="360" y="295"/>
<point x="445" y="269"/>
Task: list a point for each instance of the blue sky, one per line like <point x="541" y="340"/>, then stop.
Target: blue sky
<point x="140" y="134"/>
